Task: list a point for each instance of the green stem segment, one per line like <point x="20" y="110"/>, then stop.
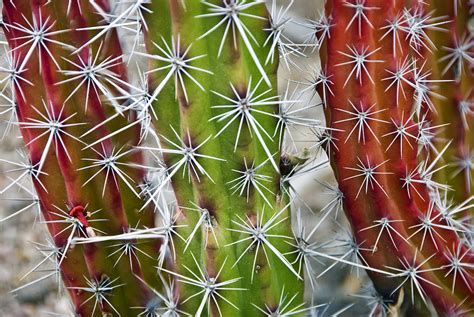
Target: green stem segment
<point x="191" y="109"/>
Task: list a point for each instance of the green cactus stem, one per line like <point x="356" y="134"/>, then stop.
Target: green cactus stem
<point x="216" y="106"/>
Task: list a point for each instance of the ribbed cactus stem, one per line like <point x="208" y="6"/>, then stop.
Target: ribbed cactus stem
<point x="57" y="104"/>
<point x="376" y="105"/>
<point x="214" y="105"/>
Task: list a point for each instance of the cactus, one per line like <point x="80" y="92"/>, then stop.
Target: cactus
<point x="212" y="119"/>
<point x="88" y="192"/>
<point x="222" y="247"/>
<point x="164" y="164"/>
<point x="380" y="107"/>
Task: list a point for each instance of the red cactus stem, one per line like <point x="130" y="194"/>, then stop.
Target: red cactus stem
<point x="59" y="155"/>
<point x="74" y="264"/>
<point x="377" y="172"/>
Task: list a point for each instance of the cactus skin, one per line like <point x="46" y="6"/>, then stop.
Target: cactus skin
<point x="69" y="166"/>
<point x="371" y="171"/>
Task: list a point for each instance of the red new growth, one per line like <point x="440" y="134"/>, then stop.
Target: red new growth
<point x="78" y="213"/>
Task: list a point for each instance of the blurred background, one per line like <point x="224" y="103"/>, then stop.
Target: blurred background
<point x="19" y="254"/>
